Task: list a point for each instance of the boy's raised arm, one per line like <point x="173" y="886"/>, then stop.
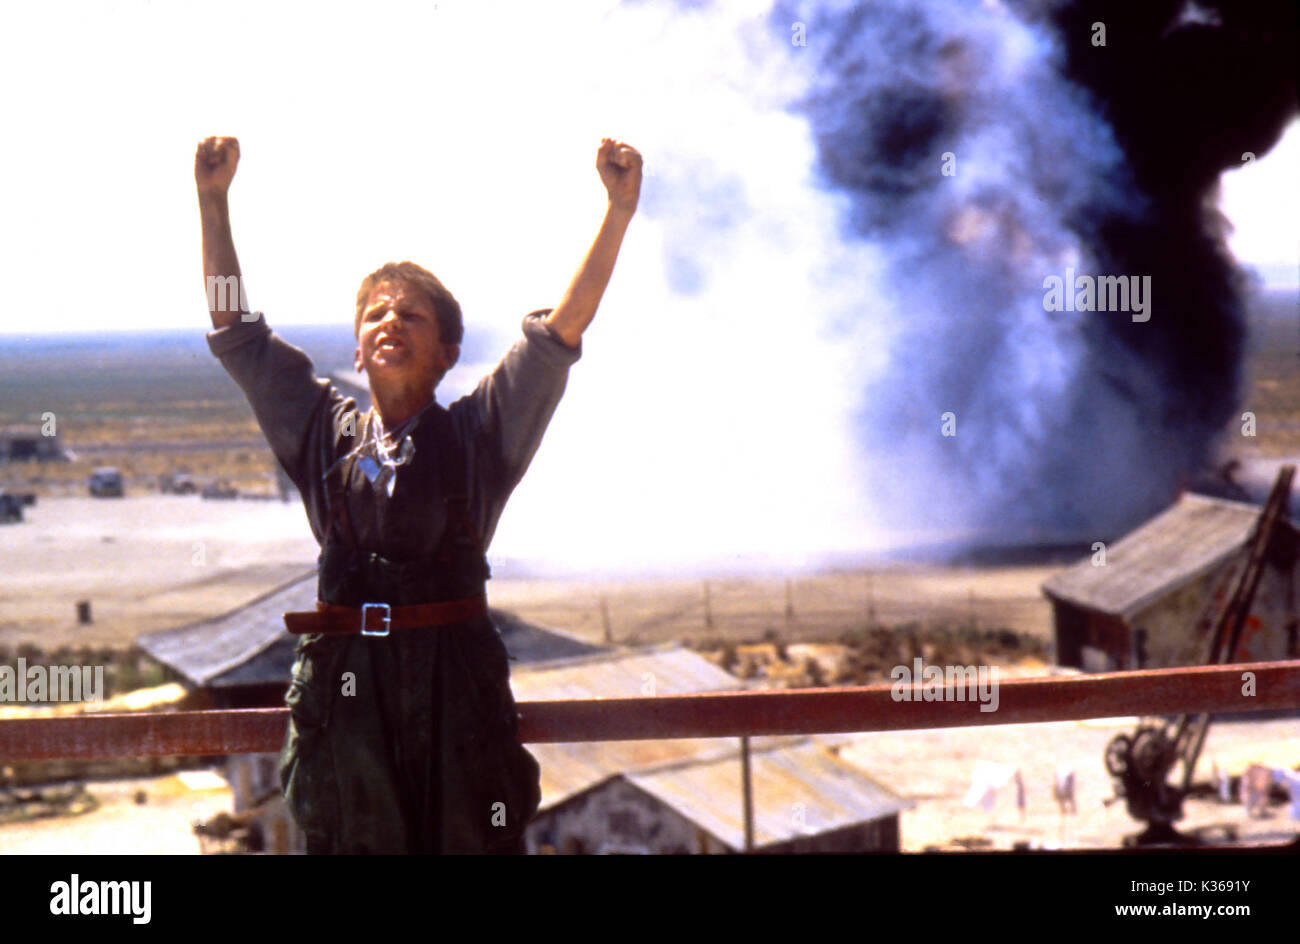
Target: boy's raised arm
<point x="214" y="168"/>
<point x="620" y="171"/>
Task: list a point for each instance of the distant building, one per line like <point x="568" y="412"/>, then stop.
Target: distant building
<point x="805" y="800"/>
<point x="685" y="795"/>
<point x="27" y="444"/>
<point x="1148" y="604"/>
<point x="241" y="659"/>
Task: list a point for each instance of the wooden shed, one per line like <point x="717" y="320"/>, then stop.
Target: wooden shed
<point x="1147" y="601"/>
<point x="686" y="795"/>
<point x="805" y="800"/>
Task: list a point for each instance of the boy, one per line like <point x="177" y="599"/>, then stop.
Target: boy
<point x="403" y="732"/>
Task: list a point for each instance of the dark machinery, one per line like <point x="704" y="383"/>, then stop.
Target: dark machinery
<point x="1141" y="763"/>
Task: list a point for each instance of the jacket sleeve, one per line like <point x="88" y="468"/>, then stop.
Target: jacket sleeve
<point x="504" y="418"/>
<point x="292" y="406"/>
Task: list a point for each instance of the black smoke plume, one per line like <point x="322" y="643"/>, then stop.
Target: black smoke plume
<point x="1103" y="157"/>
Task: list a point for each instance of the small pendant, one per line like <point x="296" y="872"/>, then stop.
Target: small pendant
<point x="383" y="477"/>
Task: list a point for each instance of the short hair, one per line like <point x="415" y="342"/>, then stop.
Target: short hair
<point x="445" y="306"/>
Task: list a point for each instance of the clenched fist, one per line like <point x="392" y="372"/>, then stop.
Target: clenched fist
<point x="619" y="165"/>
<point x="214" y="165"/>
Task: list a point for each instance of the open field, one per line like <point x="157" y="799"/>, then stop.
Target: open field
<point x="144" y="564"/>
<point x="147" y="403"/>
<point x="159" y="402"/>
<point x="1271" y="380"/>
<point x="822" y="606"/>
<point x="154" y="561"/>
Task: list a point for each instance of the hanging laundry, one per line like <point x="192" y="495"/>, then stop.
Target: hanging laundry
<point x="1291" y="780"/>
<point x="988" y="779"/>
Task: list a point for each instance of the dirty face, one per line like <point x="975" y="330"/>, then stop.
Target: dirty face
<point x="399" y="341"/>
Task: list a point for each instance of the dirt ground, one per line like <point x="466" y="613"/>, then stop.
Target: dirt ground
<point x="820" y="606"/>
<point x="151" y="562"/>
<point x="934" y="769"/>
<point x="162" y="825"/>
<point x="144" y="564"/>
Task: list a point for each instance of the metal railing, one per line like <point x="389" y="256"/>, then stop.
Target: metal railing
<point x="1220" y="689"/>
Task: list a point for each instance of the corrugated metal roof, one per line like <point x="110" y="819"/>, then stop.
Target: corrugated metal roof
<point x="671" y="670"/>
<point x="674" y="670"/>
<point x="568" y="769"/>
<point x="205" y="651"/>
<point x="798" y="790"/>
<point x="250" y="646"/>
<point x="526" y="642"/>
<point x="1191" y="537"/>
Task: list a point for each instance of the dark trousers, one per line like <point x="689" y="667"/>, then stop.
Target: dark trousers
<point x="407" y="743"/>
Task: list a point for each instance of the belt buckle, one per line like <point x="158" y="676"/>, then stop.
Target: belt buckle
<point x="388" y="619"/>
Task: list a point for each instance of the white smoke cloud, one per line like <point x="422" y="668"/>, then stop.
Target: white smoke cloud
<point x="817" y="333"/>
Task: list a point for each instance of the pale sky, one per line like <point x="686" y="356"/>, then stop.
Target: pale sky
<point x="463" y="136"/>
<point x="1262" y="199"/>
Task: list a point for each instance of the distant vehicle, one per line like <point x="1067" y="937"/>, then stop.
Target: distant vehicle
<point x="11" y="507"/>
<point x="106" y="483"/>
<point x="181" y="483"/>
<point x="220" y="489"/>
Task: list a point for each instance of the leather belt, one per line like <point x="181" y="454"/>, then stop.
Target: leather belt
<point x="376" y="619"/>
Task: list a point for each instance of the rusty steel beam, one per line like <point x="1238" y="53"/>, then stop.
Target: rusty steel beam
<point x="1214" y="689"/>
<point x="143" y="734"/>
